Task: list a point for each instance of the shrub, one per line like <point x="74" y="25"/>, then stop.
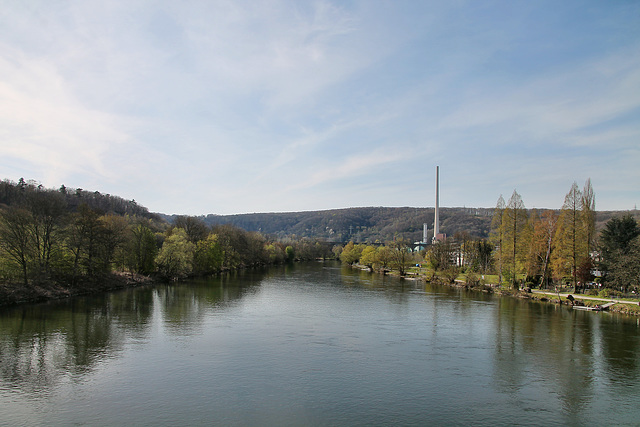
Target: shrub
<point x="472" y="279"/>
<point x="451" y="274"/>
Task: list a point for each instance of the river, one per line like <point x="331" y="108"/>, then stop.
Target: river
<point x="314" y="344"/>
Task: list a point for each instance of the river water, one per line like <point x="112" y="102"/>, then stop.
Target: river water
<point x="315" y="344"/>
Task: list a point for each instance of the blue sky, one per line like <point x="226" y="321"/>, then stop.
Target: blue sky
<point x="198" y="107"/>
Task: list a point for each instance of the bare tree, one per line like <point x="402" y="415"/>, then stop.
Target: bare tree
<point x="15" y="238"/>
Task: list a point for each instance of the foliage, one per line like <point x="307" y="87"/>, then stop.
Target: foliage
<point x="290" y="253"/>
<point x="617" y="235"/>
<point x="383" y="257"/>
<point x="175" y="259"/>
<point x="207" y="256"/>
<point x="12" y="194"/>
<point x="351" y="253"/>
<point x="142" y="249"/>
<point x="620" y="252"/>
<point x="575" y="231"/>
<point x="400" y="255"/>
<point x="541" y="244"/>
<point x="440" y="256"/>
<point x="60" y="236"/>
<point x="472" y="279"/>
<point x="369" y="256"/>
<point x="479" y="255"/>
<point x="360" y="225"/>
<point x="452" y="273"/>
<point x="195" y="228"/>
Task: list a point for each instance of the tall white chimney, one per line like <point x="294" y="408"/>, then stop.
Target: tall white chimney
<point x="425" y="231"/>
<point x="436" y="220"/>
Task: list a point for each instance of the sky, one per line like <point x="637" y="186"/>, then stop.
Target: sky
<point x="224" y="107"/>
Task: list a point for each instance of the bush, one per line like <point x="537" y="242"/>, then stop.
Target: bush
<point x="605" y="293"/>
<point x="451" y="274"/>
<point x="472" y="279"/>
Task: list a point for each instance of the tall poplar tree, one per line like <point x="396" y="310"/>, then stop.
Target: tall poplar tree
<point x="588" y="211"/>
<point x="497" y="235"/>
<point x="571" y="237"/>
<point x="543" y="230"/>
<point x="515" y="228"/>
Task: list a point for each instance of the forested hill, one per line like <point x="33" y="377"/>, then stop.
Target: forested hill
<point x="12" y="193"/>
<point x="369" y="224"/>
<point x="361" y="225"/>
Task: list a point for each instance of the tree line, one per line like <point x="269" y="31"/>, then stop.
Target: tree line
<point x="360" y="225"/>
<point x="534" y="247"/>
<point x="46" y="239"/>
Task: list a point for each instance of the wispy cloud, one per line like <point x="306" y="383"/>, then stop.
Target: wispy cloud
<point x="354" y="166"/>
<point x="42" y="122"/>
<point x="230" y="106"/>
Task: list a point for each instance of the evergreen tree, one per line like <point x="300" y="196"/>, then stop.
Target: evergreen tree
<point x="620" y="251"/>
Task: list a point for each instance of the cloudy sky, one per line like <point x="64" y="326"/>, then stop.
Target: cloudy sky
<point x="198" y="107"/>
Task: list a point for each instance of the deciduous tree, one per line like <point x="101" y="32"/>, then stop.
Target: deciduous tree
<point x="540" y="246"/>
<point x="571" y="245"/>
<point x="497" y="235"/>
<point x="175" y="258"/>
<point x="369" y="256"/>
<point x="15" y="238"/>
<point x="143" y="249"/>
<point x="207" y="257"/>
<point x="400" y="253"/>
<point x="515" y="225"/>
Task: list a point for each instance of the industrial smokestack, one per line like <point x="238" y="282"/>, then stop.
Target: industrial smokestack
<point x="436" y="220"/>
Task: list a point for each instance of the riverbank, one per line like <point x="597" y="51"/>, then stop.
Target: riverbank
<point x="631" y="308"/>
<point x="18" y="293"/>
<point x="624" y="307"/>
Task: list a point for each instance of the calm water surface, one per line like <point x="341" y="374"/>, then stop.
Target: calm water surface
<point x="315" y="344"/>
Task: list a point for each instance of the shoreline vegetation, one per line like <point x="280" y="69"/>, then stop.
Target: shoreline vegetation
<point x="561" y="297"/>
<point x="15" y="294"/>
<point x="58" y="243"/>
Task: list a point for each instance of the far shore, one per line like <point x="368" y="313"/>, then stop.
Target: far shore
<point x="12" y="294"/>
<point x="628" y="307"/>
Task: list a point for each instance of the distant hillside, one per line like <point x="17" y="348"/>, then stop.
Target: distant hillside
<point x="361" y="225"/>
<point x="370" y="224"/>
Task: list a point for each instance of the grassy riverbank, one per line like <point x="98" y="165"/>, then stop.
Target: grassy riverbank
<point x="488" y="283"/>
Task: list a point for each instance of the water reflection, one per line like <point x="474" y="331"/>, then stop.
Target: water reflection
<point x="42" y="344"/>
<point x="324" y="341"/>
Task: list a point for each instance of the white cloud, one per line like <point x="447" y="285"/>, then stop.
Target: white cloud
<point x="216" y="106"/>
<point x="42" y="122"/>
